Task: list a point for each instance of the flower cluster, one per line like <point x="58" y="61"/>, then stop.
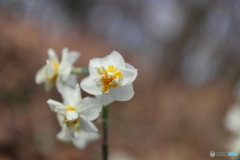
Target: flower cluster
<point x="59" y="73"/>
<point x="75" y="115"/>
<point x="110" y="79"/>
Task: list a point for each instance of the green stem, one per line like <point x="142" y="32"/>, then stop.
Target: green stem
<point x="80" y="70"/>
<point x="105" y="132"/>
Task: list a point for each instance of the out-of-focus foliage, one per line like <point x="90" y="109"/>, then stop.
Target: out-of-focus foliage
<point x="199" y="35"/>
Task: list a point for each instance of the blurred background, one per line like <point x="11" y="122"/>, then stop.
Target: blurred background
<point x="187" y="53"/>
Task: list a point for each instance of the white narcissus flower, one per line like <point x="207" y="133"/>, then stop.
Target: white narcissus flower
<point x="55" y="72"/>
<point x="76" y="112"/>
<point x="232" y="120"/>
<point x="110" y="79"/>
<point x="80" y="139"/>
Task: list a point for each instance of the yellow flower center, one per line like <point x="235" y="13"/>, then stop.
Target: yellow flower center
<point x="77" y="127"/>
<point x="56" y="67"/>
<point x="109" y="77"/>
<point x="70" y="108"/>
<point x="71" y="122"/>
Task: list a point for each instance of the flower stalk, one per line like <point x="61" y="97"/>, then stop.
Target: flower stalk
<point x="105" y="132"/>
<point x="80" y="71"/>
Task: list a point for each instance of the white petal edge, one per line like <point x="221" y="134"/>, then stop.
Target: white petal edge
<point x="61" y="110"/>
<point x="83" y="138"/>
<point x="232" y="119"/>
<point x="129" y="66"/>
<point x="50" y="71"/>
<point x="93" y="63"/>
<point x="128" y="76"/>
<point x="41" y="75"/>
<point x="53" y="104"/>
<point x="69" y="130"/>
<point x="62" y="135"/>
<point x="73" y="56"/>
<point x="64" y="55"/>
<point x="86" y="125"/>
<point x="122" y="93"/>
<point x="60" y="86"/>
<point x="65" y="69"/>
<point x="89" y="86"/>
<point x="114" y="58"/>
<point x="72" y="81"/>
<point x="60" y="119"/>
<point x="104" y="99"/>
<point x="52" y="55"/>
<point x="90" y="108"/>
<point x="79" y="142"/>
<point x="71" y="96"/>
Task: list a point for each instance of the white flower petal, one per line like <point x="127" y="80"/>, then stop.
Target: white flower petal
<point x="61" y="110"/>
<point x="60" y="119"/>
<point x="73" y="56"/>
<point x="50" y="71"/>
<point x="232" y="120"/>
<point x="89" y="86"/>
<point x="88" y="136"/>
<point x="64" y="55"/>
<point x="41" y="75"/>
<point x="71" y="115"/>
<point x="71" y="96"/>
<point x="129" y="66"/>
<point x="72" y="81"/>
<point x="90" y="108"/>
<point x="122" y="93"/>
<point x="95" y="62"/>
<point x="69" y="131"/>
<point x="65" y="69"/>
<point x="83" y="138"/>
<point x="52" y="55"/>
<point x="114" y="58"/>
<point x="128" y="76"/>
<point x="104" y="99"/>
<point x="86" y="125"/>
<point x="62" y="135"/>
<point x="60" y="86"/>
<point x="53" y="104"/>
<point x="79" y="143"/>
